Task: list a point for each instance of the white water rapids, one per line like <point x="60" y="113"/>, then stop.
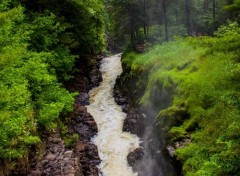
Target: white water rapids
<point x="113" y="144"/>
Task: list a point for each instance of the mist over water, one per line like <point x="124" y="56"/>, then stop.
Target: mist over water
<point x="156" y="161"/>
<point x="113" y="144"/>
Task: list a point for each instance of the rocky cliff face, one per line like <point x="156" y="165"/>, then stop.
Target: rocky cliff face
<point x="142" y="121"/>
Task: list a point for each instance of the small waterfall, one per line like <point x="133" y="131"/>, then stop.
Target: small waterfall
<point x="113" y="144"/>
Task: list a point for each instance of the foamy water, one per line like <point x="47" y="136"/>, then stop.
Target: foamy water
<point x="113" y="144"/>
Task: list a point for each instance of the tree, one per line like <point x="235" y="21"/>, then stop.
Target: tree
<point x="40" y="42"/>
<point x="128" y="20"/>
<point x="187" y="16"/>
<point x="165" y="18"/>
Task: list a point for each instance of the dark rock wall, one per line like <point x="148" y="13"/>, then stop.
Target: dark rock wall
<point x="142" y="121"/>
<point x="82" y="122"/>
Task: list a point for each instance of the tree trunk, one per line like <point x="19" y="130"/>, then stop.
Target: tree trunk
<point x="187" y="16"/>
<point x="165" y="19"/>
<point x="131" y="26"/>
<point x="214" y="14"/>
<point x="144" y="17"/>
<point x="206" y="3"/>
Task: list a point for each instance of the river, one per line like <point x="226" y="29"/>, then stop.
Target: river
<point x="113" y="144"/>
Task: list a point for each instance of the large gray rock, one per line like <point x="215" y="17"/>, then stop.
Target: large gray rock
<point x="50" y="157"/>
<point x="96" y="77"/>
<point x="134" y="122"/>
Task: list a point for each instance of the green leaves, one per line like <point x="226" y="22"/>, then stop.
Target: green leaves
<point x="234" y="8"/>
<point x="16" y="115"/>
<point x="202" y="75"/>
<point x="45" y="32"/>
<point x="30" y="95"/>
<point x="36" y="54"/>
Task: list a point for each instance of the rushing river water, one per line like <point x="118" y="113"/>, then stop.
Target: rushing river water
<point x="113" y="144"/>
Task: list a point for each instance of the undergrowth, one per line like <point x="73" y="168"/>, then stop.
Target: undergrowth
<point x="204" y="75"/>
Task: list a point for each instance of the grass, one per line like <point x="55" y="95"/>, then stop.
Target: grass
<point x="204" y="82"/>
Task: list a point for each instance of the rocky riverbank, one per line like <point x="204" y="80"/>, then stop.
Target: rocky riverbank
<point x="54" y="156"/>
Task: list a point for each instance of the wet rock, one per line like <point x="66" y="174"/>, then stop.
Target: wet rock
<point x="134" y="122"/>
<point x="44" y="162"/>
<point x="120" y="99"/>
<point x="60" y="157"/>
<point x="79" y="147"/>
<point x="50" y="157"/>
<point x="80" y="109"/>
<point x="70" y="174"/>
<point x="84" y="124"/>
<point x="58" y="164"/>
<point x="135" y="156"/>
<point x="55" y="149"/>
<point x="68" y="154"/>
<point x="55" y="140"/>
<point x="171" y="150"/>
<point x="178" y="144"/>
<point x="36" y="172"/>
<point x="79" y="82"/>
<point x="95" y="63"/>
<point x="82" y="99"/>
<point x="96" y="77"/>
<point x="99" y="58"/>
<point x="89" y="158"/>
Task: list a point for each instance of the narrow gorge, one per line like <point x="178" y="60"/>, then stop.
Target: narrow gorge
<point x="167" y="105"/>
<point x="113" y="144"/>
<point x="129" y="140"/>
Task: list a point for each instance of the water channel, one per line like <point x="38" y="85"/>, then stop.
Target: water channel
<point x="113" y="144"/>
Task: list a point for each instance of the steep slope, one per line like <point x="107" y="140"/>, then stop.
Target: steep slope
<point x="192" y="89"/>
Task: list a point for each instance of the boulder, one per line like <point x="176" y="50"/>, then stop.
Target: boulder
<point x="135" y="156"/>
<point x="82" y="99"/>
<point x="95" y="77"/>
<point x="134" y="122"/>
<point x="68" y="154"/>
<point x="50" y="157"/>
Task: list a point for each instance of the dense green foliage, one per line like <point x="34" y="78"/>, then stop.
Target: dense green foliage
<point x="40" y="42"/>
<point x="202" y="75"/>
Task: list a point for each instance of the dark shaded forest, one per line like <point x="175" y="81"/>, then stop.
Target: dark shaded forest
<point x="148" y="22"/>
